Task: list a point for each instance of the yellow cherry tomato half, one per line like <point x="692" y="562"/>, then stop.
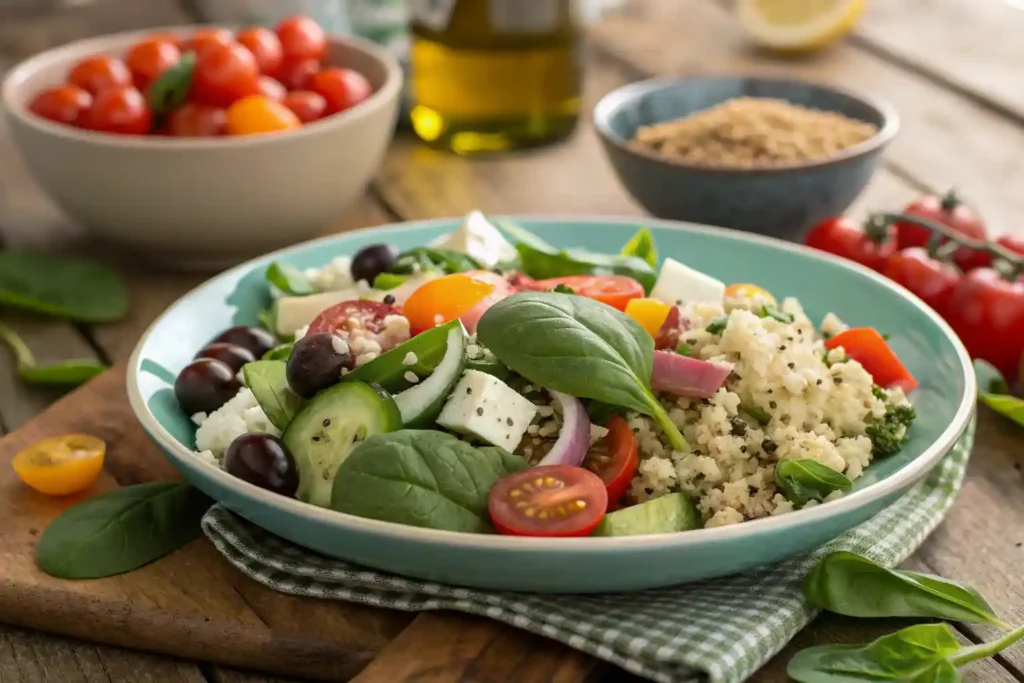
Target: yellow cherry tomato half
<point x="460" y="295"/>
<point x="650" y="313"/>
<point x="256" y="114"/>
<point x="61" y="465"/>
<point x="746" y="290"/>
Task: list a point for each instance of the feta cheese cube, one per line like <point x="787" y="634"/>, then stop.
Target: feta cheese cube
<point x="679" y="284"/>
<point x="479" y="239"/>
<point x="295" y="312"/>
<point x="483" y="406"/>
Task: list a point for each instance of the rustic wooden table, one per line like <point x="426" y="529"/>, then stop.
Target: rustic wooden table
<point x="957" y="89"/>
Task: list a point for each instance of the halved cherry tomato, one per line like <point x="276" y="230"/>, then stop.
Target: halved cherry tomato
<point x="552" y="500"/>
<point x="224" y="73"/>
<point x="866" y="346"/>
<point x="348" y="316"/>
<point x="614" y="290"/>
<point x="97" y="73"/>
<point x="746" y="290"/>
<point x="297" y="73"/>
<point x="265" y="47"/>
<point x="301" y="38"/>
<point x="342" y="88"/>
<point x="197" y="120"/>
<point x="257" y="114"/>
<point x="121" y="109"/>
<point x="61" y="465"/>
<point x="460" y="295"/>
<point x="150" y="58"/>
<point x="930" y="279"/>
<point x="306" y="104"/>
<point x="66" y="104"/>
<point x="615" y="458"/>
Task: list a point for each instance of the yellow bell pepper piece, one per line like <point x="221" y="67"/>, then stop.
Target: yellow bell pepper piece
<point x="650" y="313"/>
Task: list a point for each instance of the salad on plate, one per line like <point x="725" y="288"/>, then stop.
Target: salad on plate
<point x="488" y="382"/>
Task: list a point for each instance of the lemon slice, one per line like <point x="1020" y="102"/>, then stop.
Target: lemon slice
<point x="797" y="25"/>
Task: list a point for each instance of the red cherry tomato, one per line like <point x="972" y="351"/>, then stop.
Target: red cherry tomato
<point x="297" y="74"/>
<point x="866" y="346"/>
<point x="150" y="58"/>
<point x="120" y="110"/>
<point x="66" y="104"/>
<point x="301" y="38"/>
<point x="193" y="120"/>
<point x="346" y="317"/>
<point x="204" y="37"/>
<point x="305" y="104"/>
<point x="224" y="74"/>
<point x="265" y="47"/>
<point x="930" y="279"/>
<point x="615" y="458"/>
<point x="465" y="296"/>
<point x="342" y="88"/>
<point x="987" y="311"/>
<point x="614" y="290"/>
<point x="272" y="88"/>
<point x="951" y="212"/>
<point x="97" y="73"/>
<point x="552" y="500"/>
<point x="839" y="235"/>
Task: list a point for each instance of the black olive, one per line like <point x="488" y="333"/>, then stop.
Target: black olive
<point x="371" y="261"/>
<point x="230" y="354"/>
<point x="257" y="341"/>
<point x="205" y="385"/>
<point x="316" y="363"/>
<point x="263" y="460"/>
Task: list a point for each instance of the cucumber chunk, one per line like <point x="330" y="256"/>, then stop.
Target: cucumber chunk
<point x="672" y="512"/>
<point x="421" y="404"/>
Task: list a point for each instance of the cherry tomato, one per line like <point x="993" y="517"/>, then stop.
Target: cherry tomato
<point x="745" y="290"/>
<point x="866" y="346"/>
<point x="205" y="37"/>
<point x="256" y="115"/>
<point x="265" y="47"/>
<point x="614" y="290"/>
<point x="272" y="88"/>
<point x="192" y="120"/>
<point x="122" y="110"/>
<point x="615" y="458"/>
<point x="150" y="58"/>
<point x="305" y="104"/>
<point x="99" y="72"/>
<point x="61" y="465"/>
<point x="461" y="295"/>
<point x="839" y="235"/>
<point x="342" y="88"/>
<point x="296" y="74"/>
<point x="1012" y="243"/>
<point x="224" y="74"/>
<point x="66" y="104"/>
<point x="949" y="211"/>
<point x="930" y="279"/>
<point x="551" y="500"/>
<point x="987" y="311"/>
<point x="301" y="38"/>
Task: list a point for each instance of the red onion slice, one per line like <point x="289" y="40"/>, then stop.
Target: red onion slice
<point x="574" y="439"/>
<point x="685" y="376"/>
<point x="668" y="336"/>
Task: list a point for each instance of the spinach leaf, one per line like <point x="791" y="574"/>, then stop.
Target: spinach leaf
<point x="600" y="413"/>
<point x="578" y="346"/>
<point x="642" y="246"/>
<point x="72" y="289"/>
<point x="281" y="352"/>
<point x="268" y="318"/>
<point x="120" y="531"/>
<point x="990" y="380"/>
<point x="1007" y="406"/>
<point x="802" y="481"/>
<point x="718" y="324"/>
<point x="421" y="478"/>
<point x="428" y="259"/>
<point x="269" y="384"/>
<point x="170" y="89"/>
<point x="289" y="280"/>
<point x="849" y="584"/>
<point x="69" y="373"/>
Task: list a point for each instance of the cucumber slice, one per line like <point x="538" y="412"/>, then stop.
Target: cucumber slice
<point x="388" y="369"/>
<point x="669" y="513"/>
<point x="269" y="384"/>
<point x="330" y="425"/>
<point x="421" y="404"/>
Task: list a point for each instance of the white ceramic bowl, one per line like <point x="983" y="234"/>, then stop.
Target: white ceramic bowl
<point x="200" y="203"/>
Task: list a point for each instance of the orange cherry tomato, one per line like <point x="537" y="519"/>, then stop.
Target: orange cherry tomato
<point x="747" y="291"/>
<point x="256" y="114"/>
<point x="342" y="88"/>
<point x="121" y="110"/>
<point x="61" y="465"/>
<point x="866" y="346"/>
<point x="265" y="47"/>
<point x="301" y="38"/>
<point x="192" y="120"/>
<point x="150" y="58"/>
<point x="272" y="88"/>
<point x="614" y="290"/>
<point x="551" y="500"/>
<point x="99" y="72"/>
<point x="306" y="104"/>
<point x="223" y="74"/>
<point x="296" y="74"/>
<point x="66" y="104"/>
<point x="453" y="296"/>
<point x="204" y="37"/>
<point x="615" y="458"/>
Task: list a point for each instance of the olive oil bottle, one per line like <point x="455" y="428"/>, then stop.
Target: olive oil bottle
<point x="492" y="75"/>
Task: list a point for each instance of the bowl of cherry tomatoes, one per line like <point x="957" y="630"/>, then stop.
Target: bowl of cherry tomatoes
<point x="202" y="146"/>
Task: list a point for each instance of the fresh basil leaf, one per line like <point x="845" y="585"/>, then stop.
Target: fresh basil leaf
<point x="578" y="346"/>
<point x="428" y="259"/>
<point x="642" y="246"/>
<point x="65" y="374"/>
<point x="1007" y="406"/>
<point x="718" y="324"/>
<point x="563" y="289"/>
<point x="774" y="312"/>
<point x="281" y="352"/>
<point x="853" y="585"/>
<point x="268" y="381"/>
<point x="421" y="478"/>
<point x="990" y="380"/>
<point x="802" y="481"/>
<point x="71" y="289"/>
<point x="759" y="414"/>
<point x="386" y="281"/>
<point x="120" y="531"/>
<point x="289" y="279"/>
<point x="600" y="413"/>
<point x="169" y="90"/>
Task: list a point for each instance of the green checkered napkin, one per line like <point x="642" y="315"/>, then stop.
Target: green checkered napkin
<point x="723" y="628"/>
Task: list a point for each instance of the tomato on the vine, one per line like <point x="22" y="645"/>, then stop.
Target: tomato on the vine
<point x="987" y="312"/>
<point x="551" y="500"/>
<point x="301" y="38"/>
<point x="150" y="58"/>
<point x="265" y="47"/>
<point x="196" y="120"/>
<point x="223" y="74"/>
<point x="121" y="110"/>
<point x="870" y="246"/>
<point x="272" y="88"/>
<point x="950" y="211"/>
<point x="929" y="278"/>
<point x="66" y="104"/>
<point x="296" y="74"/>
<point x="342" y="88"/>
<point x="306" y="104"/>
<point x="205" y="37"/>
<point x="99" y="72"/>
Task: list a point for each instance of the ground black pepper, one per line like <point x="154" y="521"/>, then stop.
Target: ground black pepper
<point x="479" y="411"/>
<point x="769" y="446"/>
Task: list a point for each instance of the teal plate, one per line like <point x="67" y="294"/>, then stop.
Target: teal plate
<point x="929" y="348"/>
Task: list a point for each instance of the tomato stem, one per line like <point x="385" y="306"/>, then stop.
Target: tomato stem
<point x="876" y="228"/>
<point x="950" y="201"/>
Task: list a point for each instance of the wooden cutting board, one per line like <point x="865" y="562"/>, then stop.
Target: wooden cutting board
<point x="193" y="604"/>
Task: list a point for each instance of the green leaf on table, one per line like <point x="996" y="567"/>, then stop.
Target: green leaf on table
<point x="119" y="531"/>
<point x="802" y="481"/>
<point x="169" y="90"/>
<point x="990" y="380"/>
<point x="642" y="246"/>
<point x="855" y="586"/>
<point x="289" y="280"/>
<point x="67" y="288"/>
<point x="1007" y="406"/>
<point x="65" y="374"/>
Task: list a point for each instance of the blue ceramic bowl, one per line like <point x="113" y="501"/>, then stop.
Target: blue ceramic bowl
<point x="932" y="352"/>
<point x="781" y="201"/>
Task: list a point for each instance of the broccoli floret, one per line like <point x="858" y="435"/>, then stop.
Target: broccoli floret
<point x="888" y="433"/>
